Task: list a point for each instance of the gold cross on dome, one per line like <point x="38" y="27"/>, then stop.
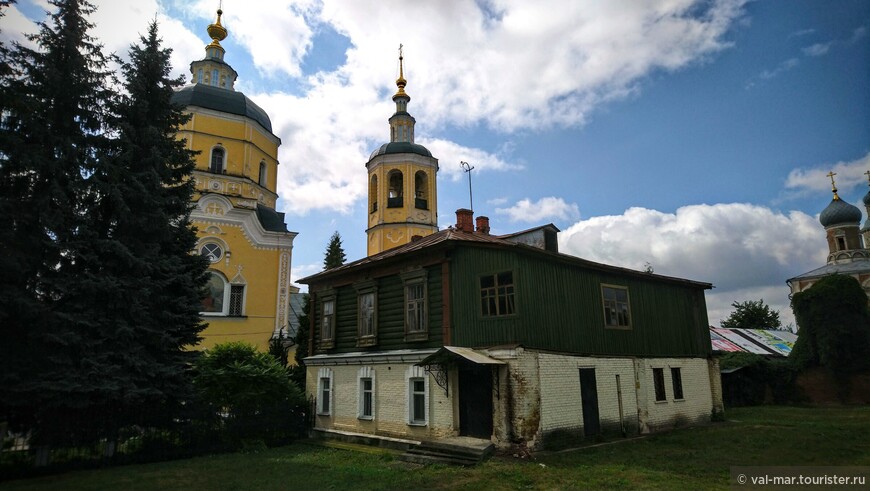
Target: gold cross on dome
<point x="833" y="186"/>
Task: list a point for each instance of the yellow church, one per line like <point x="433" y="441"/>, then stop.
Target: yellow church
<point x="239" y="230"/>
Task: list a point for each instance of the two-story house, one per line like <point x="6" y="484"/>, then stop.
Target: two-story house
<point x="502" y="337"/>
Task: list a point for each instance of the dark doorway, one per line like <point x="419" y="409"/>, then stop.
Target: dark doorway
<point x="475" y="400"/>
<point x="589" y="396"/>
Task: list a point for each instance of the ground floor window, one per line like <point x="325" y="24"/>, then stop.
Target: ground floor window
<point x="417" y="396"/>
<point x="365" y="393"/>
<point x="659" y="382"/>
<point x="418" y="401"/>
<point x="324" y="391"/>
<point x="677" y="380"/>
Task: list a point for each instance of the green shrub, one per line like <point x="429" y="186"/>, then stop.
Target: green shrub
<point x="252" y="394"/>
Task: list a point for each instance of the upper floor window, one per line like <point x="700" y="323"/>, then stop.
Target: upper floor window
<point x="327" y="322"/>
<point x="199" y="76"/>
<point x="421" y="190"/>
<point x="218" y="156"/>
<point x="617" y="312"/>
<point x="395" y="191"/>
<point x="416" y="313"/>
<point x="367" y="314"/>
<point x="262" y="175"/>
<point x="373" y="194"/>
<point x="497" y="294"/>
<point x="214" y="78"/>
<point x="214" y="252"/>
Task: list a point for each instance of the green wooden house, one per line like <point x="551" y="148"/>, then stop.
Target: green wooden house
<point x="504" y="338"/>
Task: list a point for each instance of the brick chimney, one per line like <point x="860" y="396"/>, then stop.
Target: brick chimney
<point x="464" y="220"/>
<point x="482" y="224"/>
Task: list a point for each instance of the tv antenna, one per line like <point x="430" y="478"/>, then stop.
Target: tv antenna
<point x="467" y="168"/>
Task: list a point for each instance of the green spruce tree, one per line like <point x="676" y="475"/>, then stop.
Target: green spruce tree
<point x="51" y="140"/>
<point x="335" y="256"/>
<point x="148" y="283"/>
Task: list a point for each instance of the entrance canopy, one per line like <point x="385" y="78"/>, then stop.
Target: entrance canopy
<point x="449" y="355"/>
<point x="440" y="361"/>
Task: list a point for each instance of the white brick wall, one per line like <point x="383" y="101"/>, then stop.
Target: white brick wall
<point x="538" y="393"/>
<point x="390" y="403"/>
<point x="561" y="404"/>
<point x="697" y="404"/>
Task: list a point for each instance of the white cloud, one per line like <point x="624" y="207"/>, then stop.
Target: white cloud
<point x="746" y="251"/>
<point x="782" y="67"/>
<point x="14" y="26"/>
<point x="848" y="175"/>
<point x="276" y="33"/>
<point x="521" y="65"/>
<point x="303" y="270"/>
<point x="545" y="209"/>
<point x="512" y="65"/>
<point x="817" y="49"/>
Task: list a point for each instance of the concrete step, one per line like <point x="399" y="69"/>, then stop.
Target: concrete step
<point x="450" y="451"/>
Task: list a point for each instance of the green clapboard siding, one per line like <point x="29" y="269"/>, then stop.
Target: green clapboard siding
<point x="559" y="307"/>
<point x="391" y="316"/>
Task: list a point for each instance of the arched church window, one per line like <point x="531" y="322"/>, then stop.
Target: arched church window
<point x="262" y="176"/>
<point x="199" y="76"/>
<point x="394" y="198"/>
<point x="214" y="77"/>
<point x="216" y="289"/>
<point x="217" y="160"/>
<point x="373" y="194"/>
<point x="421" y="194"/>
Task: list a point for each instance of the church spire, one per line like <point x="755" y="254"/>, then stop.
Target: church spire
<point x="217" y="33"/>
<point x="401" y="123"/>
<point x="833" y="185"/>
<point x="213" y="70"/>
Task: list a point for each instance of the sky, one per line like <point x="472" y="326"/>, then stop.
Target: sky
<point x="690" y="136"/>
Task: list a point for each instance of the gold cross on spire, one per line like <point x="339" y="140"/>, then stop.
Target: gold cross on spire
<point x="831" y="174"/>
<point x="401" y="58"/>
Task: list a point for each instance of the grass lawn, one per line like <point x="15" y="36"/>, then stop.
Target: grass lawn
<point x="693" y="458"/>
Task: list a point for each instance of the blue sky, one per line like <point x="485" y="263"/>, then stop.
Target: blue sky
<point x="693" y="136"/>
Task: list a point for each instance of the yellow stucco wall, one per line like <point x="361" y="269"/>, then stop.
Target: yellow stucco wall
<point x="251" y="255"/>
<point x="392" y="227"/>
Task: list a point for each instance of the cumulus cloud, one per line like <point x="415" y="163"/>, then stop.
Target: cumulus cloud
<point x="849" y="175"/>
<point x="276" y="33"/>
<point x="511" y="65"/>
<point x="545" y="209"/>
<point x="514" y="64"/>
<point x="746" y="251"/>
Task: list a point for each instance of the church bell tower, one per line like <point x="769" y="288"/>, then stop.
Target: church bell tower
<point x="403" y="195"/>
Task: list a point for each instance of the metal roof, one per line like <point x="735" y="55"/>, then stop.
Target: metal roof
<point x="224" y="100"/>
<point x="859" y="266"/>
<point x="451" y="353"/>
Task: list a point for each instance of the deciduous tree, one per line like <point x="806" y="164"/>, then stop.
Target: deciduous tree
<point x="752" y="314"/>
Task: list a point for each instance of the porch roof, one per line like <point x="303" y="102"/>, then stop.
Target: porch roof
<point x="448" y="354"/>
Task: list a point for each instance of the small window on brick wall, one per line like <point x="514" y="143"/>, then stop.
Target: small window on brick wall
<point x="677" y="379"/>
<point x="659" y="383"/>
